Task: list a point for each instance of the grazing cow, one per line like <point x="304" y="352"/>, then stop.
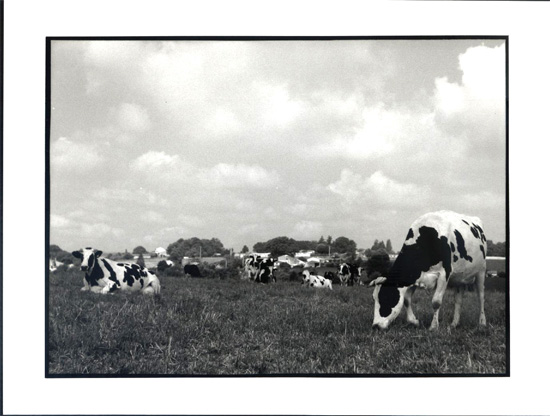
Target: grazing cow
<point x="440" y="248"/>
<point x="313" y="280"/>
<point x="349" y="274"/>
<point x="192" y="270"/>
<point x="105" y="276"/>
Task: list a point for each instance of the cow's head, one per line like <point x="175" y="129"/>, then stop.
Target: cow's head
<point x="88" y="257"/>
<point x="305" y="276"/>
<point x="388" y="301"/>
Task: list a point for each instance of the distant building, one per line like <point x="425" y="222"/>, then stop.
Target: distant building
<point x="160" y="252"/>
<point x="292" y="261"/>
<point x="305" y="253"/>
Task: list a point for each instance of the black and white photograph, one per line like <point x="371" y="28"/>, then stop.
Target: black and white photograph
<point x="280" y="201"/>
<point x="228" y="208"/>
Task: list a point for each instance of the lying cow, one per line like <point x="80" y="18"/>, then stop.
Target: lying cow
<point x="349" y="274"/>
<point x="313" y="280"/>
<point x="440" y="248"/>
<point x="106" y="276"/>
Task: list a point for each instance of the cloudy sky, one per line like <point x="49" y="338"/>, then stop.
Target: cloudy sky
<point x="152" y="141"/>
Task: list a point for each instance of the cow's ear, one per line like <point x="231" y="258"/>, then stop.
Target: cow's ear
<point x="78" y="255"/>
<point x="378" y="281"/>
<point x="98" y="253"/>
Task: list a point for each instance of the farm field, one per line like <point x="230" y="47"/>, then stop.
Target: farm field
<point x="233" y="327"/>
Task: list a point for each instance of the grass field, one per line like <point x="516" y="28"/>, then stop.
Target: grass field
<point x="233" y="327"/>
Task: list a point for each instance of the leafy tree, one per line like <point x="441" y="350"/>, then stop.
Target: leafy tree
<point x="245" y="249"/>
<point x="127" y="256"/>
<point x="322" y="240"/>
<point x="321" y="248"/>
<point x="378" y="245"/>
<point x="139" y="250"/>
<point x="379" y="262"/>
<point x="193" y="247"/>
<point x="496" y="249"/>
<point x="389" y="247"/>
<point x="65" y="257"/>
<point x="329" y="240"/>
<point x="283" y="245"/>
<point x="140" y="261"/>
<point x="54" y="250"/>
<point x="344" y="245"/>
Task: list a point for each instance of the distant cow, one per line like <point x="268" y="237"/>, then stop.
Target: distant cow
<point x="192" y="270"/>
<point x="312" y="280"/>
<point x="260" y="270"/>
<point x="251" y="267"/>
<point x="349" y="274"/>
<point x="106" y="276"/>
<point x="265" y="272"/>
<point x="440" y="248"/>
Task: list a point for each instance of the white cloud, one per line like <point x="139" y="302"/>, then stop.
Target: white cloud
<point x="475" y="108"/>
<point x="236" y="175"/>
<point x="152" y="217"/>
<point x="133" y="118"/>
<point x="154" y="160"/>
<point x="59" y="221"/>
<point x="306" y="229"/>
<point x="376" y="190"/>
<point x="76" y="157"/>
<point x="98" y="230"/>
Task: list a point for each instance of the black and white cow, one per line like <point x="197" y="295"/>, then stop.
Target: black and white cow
<point x="260" y="270"/>
<point x="106" y="276"/>
<point x="349" y="274"/>
<point x="312" y="280"/>
<point x="440" y="248"/>
<point x="251" y="265"/>
<point x="265" y="273"/>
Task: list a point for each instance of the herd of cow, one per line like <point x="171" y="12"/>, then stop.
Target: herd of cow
<point x="261" y="270"/>
<point x="440" y="248"/>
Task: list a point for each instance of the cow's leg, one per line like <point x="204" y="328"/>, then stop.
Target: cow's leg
<point x="437" y="300"/>
<point x="459" y="293"/>
<point x="480" y="286"/>
<point x="411" y="318"/>
<point x="86" y="285"/>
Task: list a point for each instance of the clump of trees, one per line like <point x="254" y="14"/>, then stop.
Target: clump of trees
<point x="61" y="255"/>
<point x="139" y="250"/>
<point x="285" y="245"/>
<point x="195" y="247"/>
<point x="496" y="249"/>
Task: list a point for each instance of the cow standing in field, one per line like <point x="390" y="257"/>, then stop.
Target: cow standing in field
<point x="440" y="247"/>
<point x="349" y="274"/>
<point x="312" y="280"/>
<point x="265" y="273"/>
<point x="106" y="276"/>
<point x="259" y="270"/>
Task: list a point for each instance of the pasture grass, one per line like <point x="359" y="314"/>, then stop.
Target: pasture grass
<point x="234" y="327"/>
